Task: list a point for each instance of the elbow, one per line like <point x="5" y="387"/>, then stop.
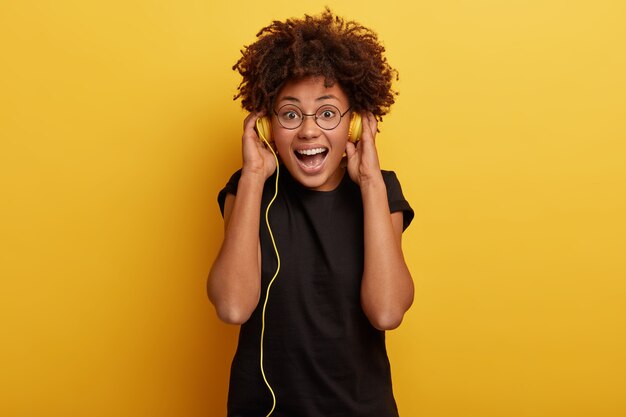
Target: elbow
<point x="386" y="321"/>
<point x="386" y="315"/>
<point x="233" y="309"/>
<point x="233" y="315"/>
<point x="232" y="305"/>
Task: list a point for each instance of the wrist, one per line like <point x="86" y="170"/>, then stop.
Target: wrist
<point x="372" y="182"/>
<point x="253" y="178"/>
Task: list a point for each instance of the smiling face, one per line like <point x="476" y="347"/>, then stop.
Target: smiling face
<point x="311" y="154"/>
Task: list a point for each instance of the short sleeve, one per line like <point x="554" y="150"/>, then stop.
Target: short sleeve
<point x="396" y="199"/>
<point x="229" y="188"/>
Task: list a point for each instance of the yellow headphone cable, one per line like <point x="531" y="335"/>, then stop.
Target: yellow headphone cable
<point x="269" y="286"/>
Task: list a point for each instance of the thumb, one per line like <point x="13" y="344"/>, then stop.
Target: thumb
<point x="350" y="149"/>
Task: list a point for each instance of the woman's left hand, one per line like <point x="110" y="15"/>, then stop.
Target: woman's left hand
<point x="363" y="164"/>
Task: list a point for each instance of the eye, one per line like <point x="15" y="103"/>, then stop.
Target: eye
<point x="326" y="114"/>
<point x="290" y="115"/>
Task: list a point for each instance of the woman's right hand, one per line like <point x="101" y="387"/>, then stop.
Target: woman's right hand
<point x="258" y="160"/>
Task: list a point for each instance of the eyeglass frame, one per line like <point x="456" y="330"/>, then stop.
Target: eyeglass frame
<point x="314" y="115"/>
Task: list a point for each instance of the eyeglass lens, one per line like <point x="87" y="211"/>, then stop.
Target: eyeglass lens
<point x="291" y="116"/>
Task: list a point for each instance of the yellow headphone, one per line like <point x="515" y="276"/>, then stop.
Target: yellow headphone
<point x="264" y="128"/>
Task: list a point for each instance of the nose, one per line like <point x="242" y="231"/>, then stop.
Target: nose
<point x="309" y="128"/>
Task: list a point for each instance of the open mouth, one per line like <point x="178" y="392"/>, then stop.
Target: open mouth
<point x="311" y="158"/>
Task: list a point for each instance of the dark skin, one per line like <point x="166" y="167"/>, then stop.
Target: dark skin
<point x="235" y="278"/>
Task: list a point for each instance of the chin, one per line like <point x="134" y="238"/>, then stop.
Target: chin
<point x="322" y="181"/>
<point x="312" y="183"/>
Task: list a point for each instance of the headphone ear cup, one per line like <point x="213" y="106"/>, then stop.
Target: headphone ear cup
<point x="356" y="128"/>
<point x="264" y="128"/>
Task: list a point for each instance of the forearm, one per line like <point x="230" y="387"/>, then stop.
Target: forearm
<point x="387" y="286"/>
<point x="235" y="278"/>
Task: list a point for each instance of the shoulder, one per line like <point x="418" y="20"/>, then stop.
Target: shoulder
<point x="229" y="188"/>
<point x="390" y="177"/>
<point x="395" y="197"/>
<point x="232" y="185"/>
<point x="394" y="189"/>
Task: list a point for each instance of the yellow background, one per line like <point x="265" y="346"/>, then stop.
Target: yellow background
<point x="117" y="129"/>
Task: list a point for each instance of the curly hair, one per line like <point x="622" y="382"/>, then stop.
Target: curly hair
<point x="326" y="45"/>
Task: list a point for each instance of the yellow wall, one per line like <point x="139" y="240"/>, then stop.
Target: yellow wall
<point x="117" y="129"/>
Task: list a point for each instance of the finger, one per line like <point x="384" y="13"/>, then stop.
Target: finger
<point x="250" y="120"/>
<point x="249" y="127"/>
<point x="369" y="129"/>
<point x="371" y="124"/>
<point x="350" y="149"/>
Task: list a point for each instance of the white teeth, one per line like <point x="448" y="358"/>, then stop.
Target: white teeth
<point x="310" y="151"/>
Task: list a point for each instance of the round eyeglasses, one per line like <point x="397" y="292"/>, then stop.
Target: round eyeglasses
<point x="327" y="116"/>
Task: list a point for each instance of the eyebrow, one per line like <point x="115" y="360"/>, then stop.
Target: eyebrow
<point x="321" y="98"/>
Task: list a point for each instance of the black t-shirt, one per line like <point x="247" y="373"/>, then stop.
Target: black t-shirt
<point x="322" y="356"/>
